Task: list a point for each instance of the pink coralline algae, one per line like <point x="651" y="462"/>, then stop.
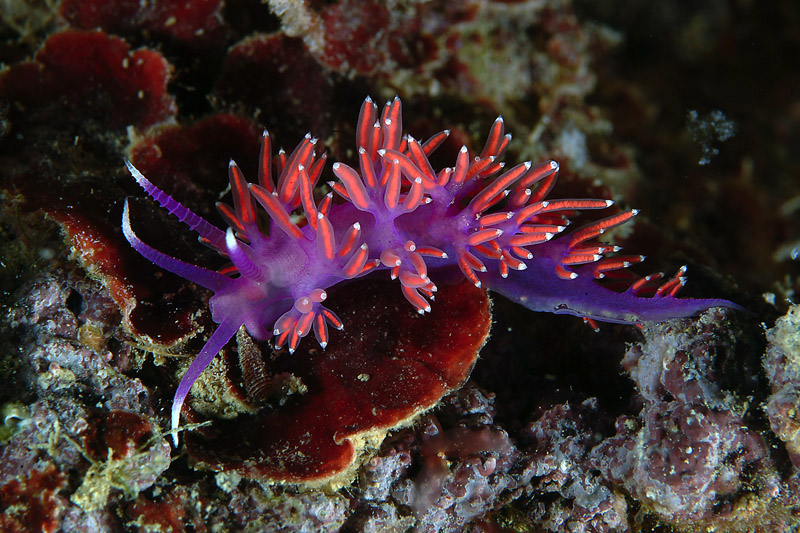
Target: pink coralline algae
<point x="690" y="457"/>
<point x="87" y="436"/>
<point x="450" y="469"/>
<point x="495" y="229"/>
<point x="557" y="463"/>
<point x="782" y="367"/>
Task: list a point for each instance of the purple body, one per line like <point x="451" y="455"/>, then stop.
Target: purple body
<point x="496" y="229"/>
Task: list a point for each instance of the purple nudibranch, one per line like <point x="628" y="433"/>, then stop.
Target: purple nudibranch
<point x="401" y="215"/>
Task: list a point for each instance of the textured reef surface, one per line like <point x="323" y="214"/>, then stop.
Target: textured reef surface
<point x="477" y="416"/>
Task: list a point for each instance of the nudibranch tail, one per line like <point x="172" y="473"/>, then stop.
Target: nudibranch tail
<point x="583" y="297"/>
<point x="398" y="213"/>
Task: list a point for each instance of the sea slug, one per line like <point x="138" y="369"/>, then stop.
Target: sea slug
<point x="398" y="214"/>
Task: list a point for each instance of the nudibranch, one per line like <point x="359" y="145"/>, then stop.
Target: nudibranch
<point x="493" y="225"/>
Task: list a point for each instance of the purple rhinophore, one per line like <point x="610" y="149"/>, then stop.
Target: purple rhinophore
<point x="401" y="215"/>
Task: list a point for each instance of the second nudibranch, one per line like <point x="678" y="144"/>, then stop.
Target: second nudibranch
<point x="396" y="213"/>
